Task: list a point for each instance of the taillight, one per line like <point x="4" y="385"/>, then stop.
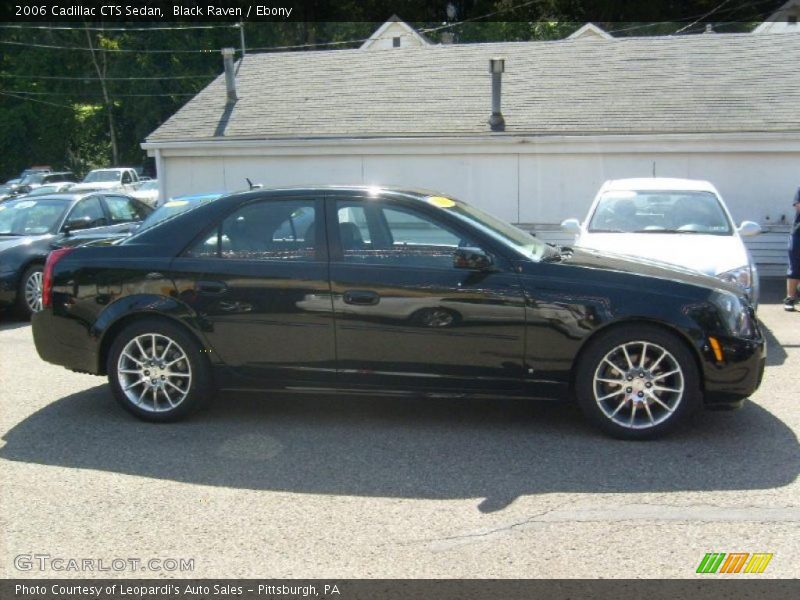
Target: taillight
<point x="47" y="277"/>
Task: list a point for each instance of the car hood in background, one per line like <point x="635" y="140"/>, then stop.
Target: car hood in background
<point x="100" y="185"/>
<point x="709" y="254"/>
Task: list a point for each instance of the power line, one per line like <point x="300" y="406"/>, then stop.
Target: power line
<point x="10" y="95"/>
<point x="76" y="78"/>
<point x="99" y="49"/>
<point x="27" y="93"/>
<point x="67" y="28"/>
<point x="708" y="14"/>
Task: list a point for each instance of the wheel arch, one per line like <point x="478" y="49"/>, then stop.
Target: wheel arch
<point x="627" y="322"/>
<point x="111" y="332"/>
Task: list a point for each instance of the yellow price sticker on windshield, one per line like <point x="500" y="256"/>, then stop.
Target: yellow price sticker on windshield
<point x="441" y="201"/>
<point x="172" y="203"/>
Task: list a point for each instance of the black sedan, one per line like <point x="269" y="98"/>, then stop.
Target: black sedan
<point x="353" y="289"/>
<point x="31" y="227"/>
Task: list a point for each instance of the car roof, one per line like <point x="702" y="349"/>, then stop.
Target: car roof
<point x="659" y="183"/>
<point x="413" y="193"/>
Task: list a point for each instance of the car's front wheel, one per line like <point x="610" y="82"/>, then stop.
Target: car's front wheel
<point x="157" y="371"/>
<point x="637" y="382"/>
<point x="29" y="295"/>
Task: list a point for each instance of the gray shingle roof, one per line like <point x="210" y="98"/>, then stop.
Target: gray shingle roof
<point x="694" y="83"/>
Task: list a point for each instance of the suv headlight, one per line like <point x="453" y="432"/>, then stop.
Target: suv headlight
<point x="742" y="276"/>
<point x="734" y="313"/>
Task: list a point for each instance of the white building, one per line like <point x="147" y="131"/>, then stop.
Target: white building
<point x="725" y="108"/>
<point x="395" y="33"/>
<point x="783" y="20"/>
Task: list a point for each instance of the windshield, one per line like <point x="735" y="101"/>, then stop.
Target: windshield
<point x="171" y="209"/>
<point x="504" y="232"/>
<point x="31" y="217"/>
<point x="32" y="178"/>
<point x="102" y="175"/>
<point x="44" y="190"/>
<point x="662" y="211"/>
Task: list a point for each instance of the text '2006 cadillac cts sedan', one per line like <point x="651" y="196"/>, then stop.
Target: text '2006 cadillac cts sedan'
<point x="355" y="289"/>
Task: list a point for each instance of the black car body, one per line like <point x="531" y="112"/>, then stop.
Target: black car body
<point x="394" y="292"/>
<point x="31" y="227"/>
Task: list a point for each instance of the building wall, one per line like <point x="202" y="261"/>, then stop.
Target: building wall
<point x="535" y="184"/>
<point x="529" y="188"/>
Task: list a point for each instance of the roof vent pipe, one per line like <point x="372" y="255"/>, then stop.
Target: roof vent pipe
<point x="496" y="67"/>
<point x="230" y="77"/>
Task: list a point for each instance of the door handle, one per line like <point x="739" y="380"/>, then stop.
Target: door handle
<point x="211" y="287"/>
<point x="361" y="297"/>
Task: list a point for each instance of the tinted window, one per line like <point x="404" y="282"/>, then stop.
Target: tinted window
<point x="91" y="208"/>
<point x="124" y="209"/>
<point x="268" y="230"/>
<point x="371" y="233"/>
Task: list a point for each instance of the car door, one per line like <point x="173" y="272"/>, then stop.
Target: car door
<point x="405" y="315"/>
<point x="124" y="212"/>
<point x="88" y="213"/>
<point x="258" y="281"/>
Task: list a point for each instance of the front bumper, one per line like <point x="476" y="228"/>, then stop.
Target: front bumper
<point x="738" y="375"/>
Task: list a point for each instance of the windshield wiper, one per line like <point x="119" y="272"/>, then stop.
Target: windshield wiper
<point x="12" y="234"/>
<point x="669" y="231"/>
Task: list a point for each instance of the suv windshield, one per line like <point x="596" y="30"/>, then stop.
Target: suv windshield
<point x="102" y="175"/>
<point x="31" y="217"/>
<point x="662" y="211"/>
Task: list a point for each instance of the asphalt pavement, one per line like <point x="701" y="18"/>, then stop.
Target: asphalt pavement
<point x="334" y="487"/>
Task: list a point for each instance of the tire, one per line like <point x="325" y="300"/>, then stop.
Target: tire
<point x="29" y="293"/>
<point x="170" y="386"/>
<point x="632" y="403"/>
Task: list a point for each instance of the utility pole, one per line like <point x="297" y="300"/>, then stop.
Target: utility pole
<point x="241" y="35"/>
<point x="101" y="74"/>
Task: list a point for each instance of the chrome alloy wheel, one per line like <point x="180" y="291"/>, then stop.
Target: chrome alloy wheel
<point x="33" y="291"/>
<point x="154" y="372"/>
<point x="638" y="385"/>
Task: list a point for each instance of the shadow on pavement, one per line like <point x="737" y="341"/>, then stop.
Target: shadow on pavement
<point x="8" y="322"/>
<point x="409" y="448"/>
<point x="776" y="352"/>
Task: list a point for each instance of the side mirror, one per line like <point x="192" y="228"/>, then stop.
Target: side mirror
<point x="571" y="226"/>
<point x="749" y="228"/>
<point x="74" y="224"/>
<point x="472" y="258"/>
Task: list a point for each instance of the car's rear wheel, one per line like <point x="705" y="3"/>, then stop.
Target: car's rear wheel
<point x="157" y="371"/>
<point x="29" y="294"/>
<point x="638" y="382"/>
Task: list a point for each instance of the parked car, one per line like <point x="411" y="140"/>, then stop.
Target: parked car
<point x="120" y="178"/>
<point x="147" y="192"/>
<point x="29" y="227"/>
<point x="34" y="180"/>
<point x="49" y="188"/>
<point x="680" y="221"/>
<point x="114" y="234"/>
<point x="214" y="298"/>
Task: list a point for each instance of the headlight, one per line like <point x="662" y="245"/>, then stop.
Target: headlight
<point x="742" y="277"/>
<point x="734" y="313"/>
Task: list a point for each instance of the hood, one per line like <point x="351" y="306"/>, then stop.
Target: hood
<point x="605" y="261"/>
<point x="99" y="185"/>
<point x="709" y="254"/>
<point x="8" y="242"/>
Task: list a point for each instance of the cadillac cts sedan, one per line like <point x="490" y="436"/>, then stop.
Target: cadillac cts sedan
<point x="384" y="291"/>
